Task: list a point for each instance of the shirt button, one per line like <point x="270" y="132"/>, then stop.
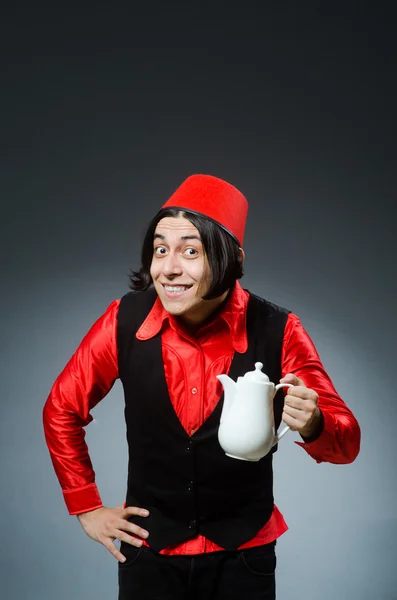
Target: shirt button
<point x="194" y="390"/>
<point x="193" y="431"/>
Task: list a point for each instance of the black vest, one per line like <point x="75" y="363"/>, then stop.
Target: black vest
<point x="187" y="482"/>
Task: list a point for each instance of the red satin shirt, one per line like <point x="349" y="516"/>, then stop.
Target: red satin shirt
<point x="190" y="364"/>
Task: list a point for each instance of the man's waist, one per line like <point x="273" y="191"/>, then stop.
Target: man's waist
<point x="272" y="530"/>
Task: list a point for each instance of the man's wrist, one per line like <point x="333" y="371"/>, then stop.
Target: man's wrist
<point x="315" y="427"/>
<point x="86" y="515"/>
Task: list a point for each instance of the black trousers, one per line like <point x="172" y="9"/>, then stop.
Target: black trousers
<point x="224" y="575"/>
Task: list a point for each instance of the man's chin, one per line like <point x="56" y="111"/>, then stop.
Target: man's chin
<point x="173" y="307"/>
<point x="175" y="310"/>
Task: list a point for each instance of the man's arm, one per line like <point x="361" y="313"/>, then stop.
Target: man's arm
<point x="86" y="379"/>
<point x="331" y="432"/>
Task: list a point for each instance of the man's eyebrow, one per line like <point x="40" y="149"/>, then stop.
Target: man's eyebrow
<point x="184" y="237"/>
<point x="191" y="237"/>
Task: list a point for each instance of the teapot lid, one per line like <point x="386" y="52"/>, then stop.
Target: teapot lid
<point x="257" y="375"/>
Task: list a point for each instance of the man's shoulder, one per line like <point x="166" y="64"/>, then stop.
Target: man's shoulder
<point x="266" y="305"/>
<point x="134" y="306"/>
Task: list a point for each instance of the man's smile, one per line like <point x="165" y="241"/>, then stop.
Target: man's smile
<point x="174" y="290"/>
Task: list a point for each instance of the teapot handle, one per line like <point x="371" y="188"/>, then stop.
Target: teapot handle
<point x="282" y="433"/>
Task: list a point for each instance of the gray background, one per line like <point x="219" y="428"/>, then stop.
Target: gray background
<point x="102" y="116"/>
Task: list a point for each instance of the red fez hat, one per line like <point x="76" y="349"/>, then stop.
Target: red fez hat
<point x="215" y="199"/>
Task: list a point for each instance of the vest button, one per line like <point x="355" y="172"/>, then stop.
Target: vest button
<point x="190" y="486"/>
<point x="193" y="524"/>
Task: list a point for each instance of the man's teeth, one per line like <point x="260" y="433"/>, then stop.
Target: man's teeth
<point x="176" y="288"/>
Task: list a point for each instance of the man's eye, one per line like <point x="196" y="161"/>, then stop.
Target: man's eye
<point x="191" y="251"/>
<point x="160" y="250"/>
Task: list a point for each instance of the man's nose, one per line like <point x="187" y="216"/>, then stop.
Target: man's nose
<point x="172" y="265"/>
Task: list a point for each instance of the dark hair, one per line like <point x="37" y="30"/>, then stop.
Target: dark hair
<point x="221" y="249"/>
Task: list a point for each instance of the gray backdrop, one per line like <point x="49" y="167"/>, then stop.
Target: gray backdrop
<point x="102" y="116"/>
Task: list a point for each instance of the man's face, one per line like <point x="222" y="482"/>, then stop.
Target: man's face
<point x="180" y="270"/>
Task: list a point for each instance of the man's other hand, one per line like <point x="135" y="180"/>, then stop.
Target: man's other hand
<point x="301" y="412"/>
<point x="104" y="525"/>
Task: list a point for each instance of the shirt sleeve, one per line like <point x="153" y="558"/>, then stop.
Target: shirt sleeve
<point x="339" y="439"/>
<point x="86" y="379"/>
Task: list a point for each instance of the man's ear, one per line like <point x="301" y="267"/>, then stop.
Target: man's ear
<point x="242" y="254"/>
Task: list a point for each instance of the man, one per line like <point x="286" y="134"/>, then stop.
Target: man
<point x="196" y="523"/>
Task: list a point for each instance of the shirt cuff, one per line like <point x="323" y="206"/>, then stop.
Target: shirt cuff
<point x="322" y="447"/>
<point x="82" y="499"/>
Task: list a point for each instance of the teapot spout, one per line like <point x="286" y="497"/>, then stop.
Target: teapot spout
<point x="229" y="387"/>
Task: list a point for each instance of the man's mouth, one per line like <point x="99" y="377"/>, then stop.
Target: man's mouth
<point x="176" y="289"/>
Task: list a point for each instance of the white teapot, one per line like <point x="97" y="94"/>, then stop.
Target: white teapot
<point x="246" y="428"/>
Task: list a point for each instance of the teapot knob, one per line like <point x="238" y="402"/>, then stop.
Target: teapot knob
<point x="257" y="376"/>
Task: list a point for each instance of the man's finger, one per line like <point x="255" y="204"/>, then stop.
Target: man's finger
<point x="135" y="510"/>
<point x="291" y="378"/>
<point x="296" y="413"/>
<point x="109" y="545"/>
<point x="132" y="528"/>
<point x="293" y="424"/>
<point x="299" y="391"/>
<point x="129" y="539"/>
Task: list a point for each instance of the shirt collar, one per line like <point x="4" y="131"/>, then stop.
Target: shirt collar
<point x="233" y="313"/>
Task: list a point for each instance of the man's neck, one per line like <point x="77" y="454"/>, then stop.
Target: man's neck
<point x="193" y="323"/>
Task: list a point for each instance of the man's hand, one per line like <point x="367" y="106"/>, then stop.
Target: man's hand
<point x="107" y="524"/>
<point x="301" y="412"/>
